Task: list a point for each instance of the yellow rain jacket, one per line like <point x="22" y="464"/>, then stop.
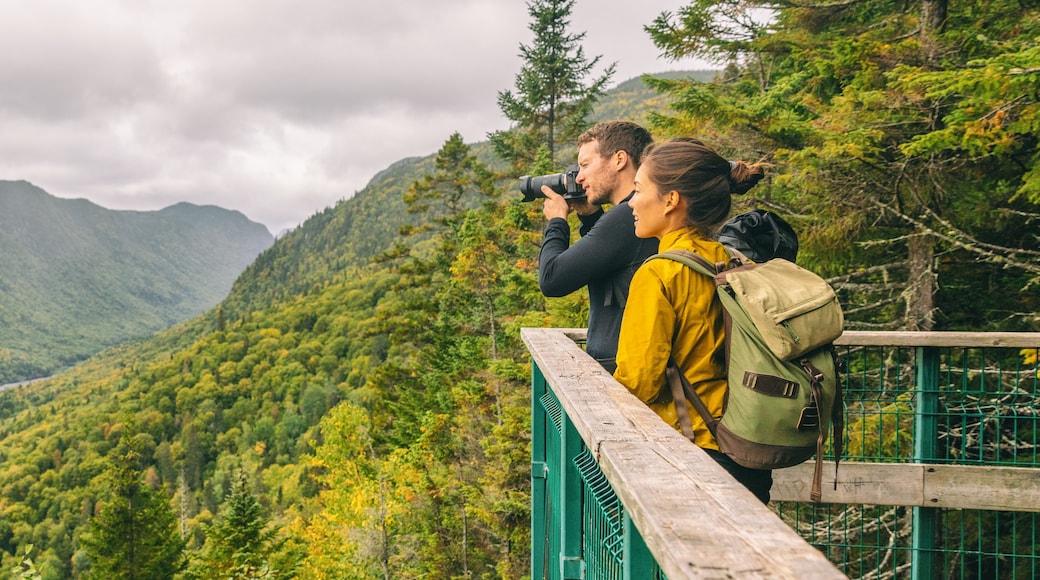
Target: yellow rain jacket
<point x="672" y="311"/>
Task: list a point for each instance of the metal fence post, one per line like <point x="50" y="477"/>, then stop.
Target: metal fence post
<point x="638" y="561"/>
<point x="571" y="500"/>
<point x="539" y="473"/>
<point x="926" y="429"/>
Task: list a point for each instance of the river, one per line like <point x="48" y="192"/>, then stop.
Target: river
<point x="21" y="383"/>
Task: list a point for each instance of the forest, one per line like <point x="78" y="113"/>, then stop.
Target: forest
<point x="358" y="406"/>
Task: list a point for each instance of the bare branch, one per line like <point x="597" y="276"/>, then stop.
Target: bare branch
<point x="864" y="272"/>
<point x="987" y="251"/>
<point x="872" y="306"/>
<point x="817" y="6"/>
<point x="981" y="244"/>
<point x="879" y="287"/>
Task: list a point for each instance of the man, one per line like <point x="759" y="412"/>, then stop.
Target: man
<point x="608" y="252"/>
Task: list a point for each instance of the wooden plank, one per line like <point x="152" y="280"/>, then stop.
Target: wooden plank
<point x="914" y="339"/>
<point x="982" y="487"/>
<point x="940" y="339"/>
<point x="943" y="486"/>
<point x="696" y="521"/>
<point x="858" y="483"/>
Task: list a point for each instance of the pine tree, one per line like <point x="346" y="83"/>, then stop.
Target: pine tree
<point x="239" y="544"/>
<point x="134" y="534"/>
<point x="442" y="197"/>
<point x="552" y="98"/>
<point x="904" y="142"/>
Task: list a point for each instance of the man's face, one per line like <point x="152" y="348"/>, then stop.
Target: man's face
<point x="596" y="173"/>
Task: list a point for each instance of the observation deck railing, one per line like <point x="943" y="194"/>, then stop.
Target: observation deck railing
<point x="940" y="479"/>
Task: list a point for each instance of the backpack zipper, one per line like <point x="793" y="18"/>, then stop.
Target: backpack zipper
<point x="794" y="336"/>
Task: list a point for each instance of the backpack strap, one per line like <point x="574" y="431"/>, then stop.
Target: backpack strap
<point x="837" y="414"/>
<point x="837" y="423"/>
<point x="700" y="264"/>
<point x="693" y="260"/>
<point x="682" y="390"/>
<point x="810" y="419"/>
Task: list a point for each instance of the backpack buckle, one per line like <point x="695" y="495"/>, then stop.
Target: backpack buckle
<point x="815" y="374"/>
<point x="809" y="419"/>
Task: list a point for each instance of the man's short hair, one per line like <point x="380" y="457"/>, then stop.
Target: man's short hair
<point x="614" y="136"/>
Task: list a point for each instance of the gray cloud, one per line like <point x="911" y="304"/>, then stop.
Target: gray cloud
<point x="275" y="108"/>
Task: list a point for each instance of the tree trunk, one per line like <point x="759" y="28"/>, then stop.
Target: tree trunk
<point x="920" y="289"/>
<point x="933" y="15"/>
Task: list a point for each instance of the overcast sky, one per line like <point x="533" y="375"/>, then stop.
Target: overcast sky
<point x="275" y="108"/>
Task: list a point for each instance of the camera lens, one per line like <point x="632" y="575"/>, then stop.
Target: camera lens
<point x="531" y="187"/>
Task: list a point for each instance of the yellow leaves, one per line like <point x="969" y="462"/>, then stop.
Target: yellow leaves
<point x="270" y="333"/>
<point x="365" y="495"/>
<point x="526" y="264"/>
<point x="1029" y="358"/>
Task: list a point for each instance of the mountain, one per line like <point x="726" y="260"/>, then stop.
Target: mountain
<point x="350" y="234"/>
<point x="76" y="277"/>
<point x="342" y="378"/>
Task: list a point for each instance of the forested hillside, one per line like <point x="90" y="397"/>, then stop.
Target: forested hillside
<point x="76" y="277"/>
<point x="363" y="393"/>
<point x="336" y="340"/>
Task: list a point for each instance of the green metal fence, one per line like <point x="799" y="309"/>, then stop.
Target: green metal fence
<point x="579" y="528"/>
<point x="956" y="405"/>
<point x="931" y="405"/>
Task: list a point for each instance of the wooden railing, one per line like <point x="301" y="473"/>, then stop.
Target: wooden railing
<point x="693" y="519"/>
<point x="682" y="515"/>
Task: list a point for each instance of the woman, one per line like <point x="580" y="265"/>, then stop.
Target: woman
<point x="682" y="193"/>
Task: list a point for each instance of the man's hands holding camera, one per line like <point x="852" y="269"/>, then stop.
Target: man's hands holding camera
<point x="557" y="206"/>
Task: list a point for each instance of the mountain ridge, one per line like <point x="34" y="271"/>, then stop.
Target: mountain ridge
<point x="328" y="317"/>
<point x="76" y="277"/>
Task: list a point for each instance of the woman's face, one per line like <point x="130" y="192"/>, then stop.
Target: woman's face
<point x="649" y="208"/>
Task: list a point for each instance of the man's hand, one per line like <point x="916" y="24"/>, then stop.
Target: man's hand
<point x="581" y="206"/>
<point x="555" y="205"/>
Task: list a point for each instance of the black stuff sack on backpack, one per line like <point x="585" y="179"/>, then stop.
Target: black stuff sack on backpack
<point x="760" y="235"/>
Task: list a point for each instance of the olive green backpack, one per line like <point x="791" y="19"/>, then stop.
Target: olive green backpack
<point x="784" y="391"/>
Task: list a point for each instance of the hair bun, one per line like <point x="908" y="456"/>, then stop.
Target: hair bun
<point x="742" y="177"/>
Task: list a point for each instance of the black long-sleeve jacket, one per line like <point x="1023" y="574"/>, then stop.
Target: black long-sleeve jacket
<point x="604" y="259"/>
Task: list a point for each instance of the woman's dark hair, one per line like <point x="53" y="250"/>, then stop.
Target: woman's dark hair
<point x="705" y="179"/>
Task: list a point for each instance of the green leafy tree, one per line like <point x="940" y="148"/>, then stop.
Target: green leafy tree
<point x="904" y="139"/>
<point x="552" y="97"/>
<point x="135" y="534"/>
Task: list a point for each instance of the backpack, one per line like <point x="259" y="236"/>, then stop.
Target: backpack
<point x="781" y="366"/>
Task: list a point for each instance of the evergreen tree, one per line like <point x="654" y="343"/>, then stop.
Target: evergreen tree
<point x="239" y="544"/>
<point x="552" y="98"/>
<point x="904" y="139"/>
<point x="441" y="197"/>
<point x="134" y="534"/>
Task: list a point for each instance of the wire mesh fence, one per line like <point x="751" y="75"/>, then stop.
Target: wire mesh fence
<point x="981" y="409"/>
<point x="941" y="405"/>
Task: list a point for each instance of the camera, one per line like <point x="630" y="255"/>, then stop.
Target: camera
<point x="565" y="184"/>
